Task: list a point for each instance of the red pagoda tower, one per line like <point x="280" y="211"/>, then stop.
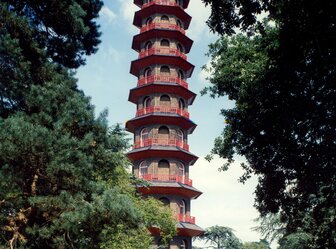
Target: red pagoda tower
<point x="161" y="127"/>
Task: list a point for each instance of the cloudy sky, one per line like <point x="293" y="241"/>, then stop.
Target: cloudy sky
<point x="107" y="80"/>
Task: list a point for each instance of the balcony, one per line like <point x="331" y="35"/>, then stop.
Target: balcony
<point x="186" y="218"/>
<point x="161" y="142"/>
<point x="162" y="25"/>
<point x="161" y="78"/>
<point x="162" y="109"/>
<point x="162" y="51"/>
<point x="167" y="178"/>
<point x="140" y="3"/>
<point x="161" y="2"/>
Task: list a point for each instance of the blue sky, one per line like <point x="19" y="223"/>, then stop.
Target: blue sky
<point x="107" y="80"/>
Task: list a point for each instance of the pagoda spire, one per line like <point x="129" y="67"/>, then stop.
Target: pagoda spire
<point x="162" y="123"/>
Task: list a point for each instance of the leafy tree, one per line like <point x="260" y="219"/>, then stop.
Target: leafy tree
<point x="271" y="227"/>
<point x="63" y="178"/>
<point x="297" y="240"/>
<point x="221" y="237"/>
<point x="257" y="245"/>
<point x="282" y="81"/>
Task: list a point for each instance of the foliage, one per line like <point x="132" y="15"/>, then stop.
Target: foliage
<point x="282" y="80"/>
<point x="32" y="32"/>
<point x="221" y="237"/>
<point x="63" y="177"/>
<point x="270" y="226"/>
<point x="299" y="240"/>
<point x="257" y="245"/>
<point x="65" y="30"/>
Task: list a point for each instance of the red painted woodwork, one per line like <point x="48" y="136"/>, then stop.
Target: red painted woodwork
<point x="161" y="142"/>
<point x="162" y="25"/>
<point x="174" y="61"/>
<point x="161" y="78"/>
<point x="160" y="2"/>
<point x="187" y="192"/>
<point x="186" y="218"/>
<point x="161" y="87"/>
<point x="167" y="178"/>
<point x="171" y="9"/>
<point x="161" y="118"/>
<point x="162" y="51"/>
<point x="162" y="109"/>
<point x="139" y="3"/>
<point x="189" y="232"/>
<point x="162" y="152"/>
<point x="172" y="34"/>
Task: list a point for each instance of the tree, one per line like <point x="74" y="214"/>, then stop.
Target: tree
<point x="32" y="32"/>
<point x="63" y="178"/>
<point x="221" y="237"/>
<point x="257" y="245"/>
<point x="281" y="78"/>
<point x="297" y="240"/>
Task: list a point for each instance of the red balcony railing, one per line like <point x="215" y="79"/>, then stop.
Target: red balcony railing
<point x="162" y="25"/>
<point x="160" y="78"/>
<point x="161" y="142"/>
<point x="162" y="109"/>
<point x="160" y="2"/>
<point x="162" y="51"/>
<point x="167" y="178"/>
<point x="186" y="218"/>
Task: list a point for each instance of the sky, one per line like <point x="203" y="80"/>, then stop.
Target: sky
<point x="106" y="78"/>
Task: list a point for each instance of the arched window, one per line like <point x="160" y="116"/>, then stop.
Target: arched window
<point x="182" y="206"/>
<point x="143" y="169"/>
<point x="180" y="48"/>
<point x="144" y="136"/>
<point x="180" y="134"/>
<point x="165" y="71"/>
<point x="165" y="100"/>
<point x="163" y="168"/>
<point x="164" y="18"/>
<point x="184" y="244"/>
<point x="147" y="72"/>
<point x="180" y="74"/>
<point x="165" y="201"/>
<point x="163" y="130"/>
<point x="164" y="43"/>
<point x="180" y="138"/>
<point x="149" y="20"/>
<point x="181" y="170"/>
<point x="181" y="104"/>
<point x="147" y="102"/>
<point x="148" y="45"/>
<point x="178" y="23"/>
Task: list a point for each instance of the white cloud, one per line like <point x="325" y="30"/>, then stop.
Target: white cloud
<point x="200" y="15"/>
<point x="107" y="14"/>
<point x="114" y="54"/>
<point x="225" y="201"/>
<point x="204" y="74"/>
<point x="127" y="9"/>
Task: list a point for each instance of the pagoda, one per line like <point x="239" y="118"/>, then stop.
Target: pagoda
<point x="161" y="126"/>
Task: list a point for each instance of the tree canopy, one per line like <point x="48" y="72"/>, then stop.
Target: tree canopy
<point x="63" y="177"/>
<point x="257" y="245"/>
<point x="281" y="76"/>
<point x="220" y="237"/>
